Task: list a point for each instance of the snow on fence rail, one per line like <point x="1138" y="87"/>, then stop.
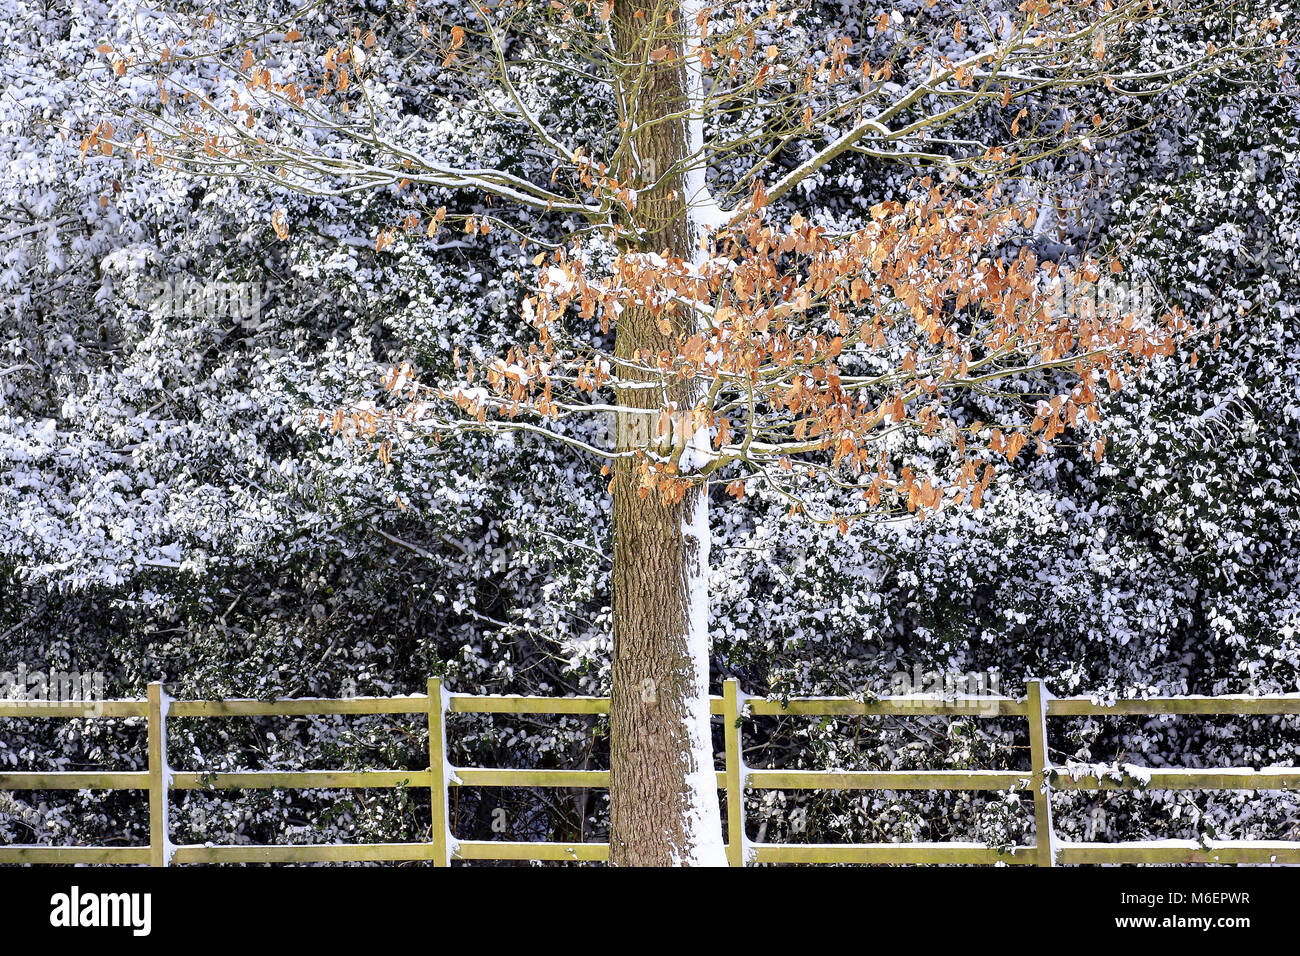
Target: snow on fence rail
<point x="443" y="847"/>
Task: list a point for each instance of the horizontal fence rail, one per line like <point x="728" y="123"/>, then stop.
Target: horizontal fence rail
<point x="442" y="848"/>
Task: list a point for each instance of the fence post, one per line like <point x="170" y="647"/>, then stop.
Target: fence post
<point x="157" y="777"/>
<point x="1036" y="707"/>
<point x="437" y="773"/>
<point x="735" y="782"/>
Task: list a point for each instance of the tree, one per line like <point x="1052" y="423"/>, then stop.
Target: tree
<point x="797" y="357"/>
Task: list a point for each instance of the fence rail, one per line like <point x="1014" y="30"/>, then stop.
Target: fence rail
<point x="442" y="848"/>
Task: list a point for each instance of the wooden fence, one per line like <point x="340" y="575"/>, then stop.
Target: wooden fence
<point x="442" y="847"/>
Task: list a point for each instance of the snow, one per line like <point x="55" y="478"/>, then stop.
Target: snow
<point x="704" y="843"/>
<point x="169" y="848"/>
<point x="703" y="825"/>
<point x="749" y="850"/>
<point x="1047" y="768"/>
<point x="705" y="212"/>
<point x="449" y="776"/>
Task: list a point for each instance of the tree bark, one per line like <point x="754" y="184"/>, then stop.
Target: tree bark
<point x="663" y="792"/>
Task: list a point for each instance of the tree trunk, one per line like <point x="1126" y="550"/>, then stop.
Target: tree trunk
<point x="663" y="792"/>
